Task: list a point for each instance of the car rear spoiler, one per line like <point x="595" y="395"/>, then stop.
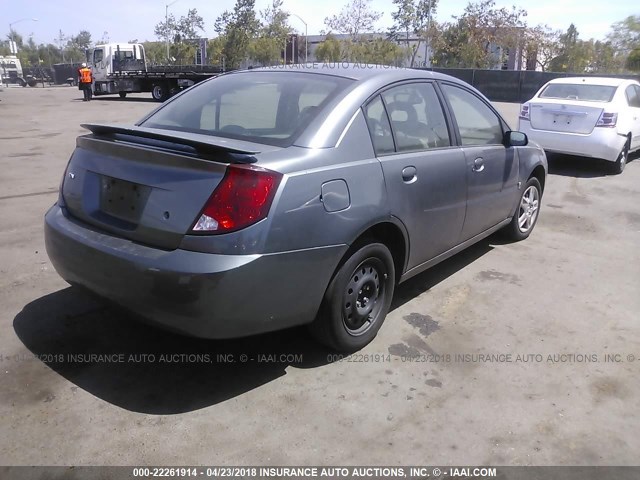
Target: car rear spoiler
<point x="234" y="150"/>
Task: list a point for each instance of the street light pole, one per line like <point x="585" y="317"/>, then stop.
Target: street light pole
<point x="166" y="25"/>
<point x="18" y="21"/>
<point x="306" y="38"/>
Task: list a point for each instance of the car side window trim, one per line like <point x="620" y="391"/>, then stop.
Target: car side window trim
<point x="503" y="125"/>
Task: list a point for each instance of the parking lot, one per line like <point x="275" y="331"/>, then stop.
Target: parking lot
<point x="506" y="354"/>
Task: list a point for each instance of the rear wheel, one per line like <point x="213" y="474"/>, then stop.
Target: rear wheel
<point x="357" y="300"/>
<point x="160" y="92"/>
<point x="122" y="94"/>
<point x="621" y="162"/>
<point x="526" y="215"/>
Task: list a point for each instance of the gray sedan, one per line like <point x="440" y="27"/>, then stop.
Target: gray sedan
<point x="264" y="199"/>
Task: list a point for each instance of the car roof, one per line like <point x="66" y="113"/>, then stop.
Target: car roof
<point x="608" y="81"/>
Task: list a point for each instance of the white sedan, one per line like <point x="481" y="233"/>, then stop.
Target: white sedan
<point x="590" y="117"/>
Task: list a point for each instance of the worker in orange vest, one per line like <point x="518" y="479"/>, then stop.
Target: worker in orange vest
<point x="85" y="78"/>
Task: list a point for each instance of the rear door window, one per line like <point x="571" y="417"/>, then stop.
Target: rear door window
<point x="416" y="117"/>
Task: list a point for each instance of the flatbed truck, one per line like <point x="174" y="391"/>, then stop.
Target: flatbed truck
<point x="121" y="68"/>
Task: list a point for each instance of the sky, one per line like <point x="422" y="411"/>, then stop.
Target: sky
<point x="124" y="20"/>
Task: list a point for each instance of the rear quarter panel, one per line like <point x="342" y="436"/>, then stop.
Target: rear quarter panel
<point x="300" y="218"/>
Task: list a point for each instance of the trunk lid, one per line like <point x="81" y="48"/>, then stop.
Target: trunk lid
<point x="564" y="116"/>
<point x="147" y="185"/>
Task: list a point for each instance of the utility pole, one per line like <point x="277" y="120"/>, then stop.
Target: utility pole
<point x="306" y="39"/>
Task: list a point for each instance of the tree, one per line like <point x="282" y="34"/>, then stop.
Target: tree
<point x="181" y="34"/>
<point x="625" y="41"/>
<point x="156" y="52"/>
<point x="272" y="34"/>
<point x="77" y="45"/>
<point x="633" y="61"/>
<point x="403" y="20"/>
<point x="333" y="50"/>
<point x="541" y="45"/>
<point x="625" y="35"/>
<point x="380" y="51"/>
<point x="238" y="28"/>
<point x="215" y="50"/>
<point x="189" y="27"/>
<point x="574" y="54"/>
<point x="355" y="18"/>
<point x="413" y="18"/>
<point x="604" y="58"/>
<point x="482" y="36"/>
<point x="368" y="50"/>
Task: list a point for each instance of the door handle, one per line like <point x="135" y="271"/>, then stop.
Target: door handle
<point x="409" y="174"/>
<point x="478" y="164"/>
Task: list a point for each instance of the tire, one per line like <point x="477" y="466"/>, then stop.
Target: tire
<point x="618" y="167"/>
<point x="160" y="92"/>
<point x="122" y="94"/>
<point x="357" y="300"/>
<point x="526" y="214"/>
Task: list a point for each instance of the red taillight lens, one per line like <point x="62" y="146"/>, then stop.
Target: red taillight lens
<point x="242" y="198"/>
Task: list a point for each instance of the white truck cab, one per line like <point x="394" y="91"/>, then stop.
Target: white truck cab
<point x="113" y="58"/>
<point x="11" y="70"/>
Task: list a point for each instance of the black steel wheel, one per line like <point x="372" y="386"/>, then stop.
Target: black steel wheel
<point x="357" y="299"/>
<point x="360" y="304"/>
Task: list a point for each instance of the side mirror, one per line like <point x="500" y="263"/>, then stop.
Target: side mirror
<point x="515" y="139"/>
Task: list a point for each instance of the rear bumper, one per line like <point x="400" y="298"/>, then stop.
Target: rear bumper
<point x="199" y="294"/>
<point x="602" y="143"/>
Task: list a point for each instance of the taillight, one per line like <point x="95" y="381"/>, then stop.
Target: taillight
<point x="607" y="119"/>
<point x="524" y="112"/>
<point x="242" y="198"/>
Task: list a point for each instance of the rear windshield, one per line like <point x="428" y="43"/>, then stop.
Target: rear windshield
<point x="264" y="107"/>
<point x="578" y="91"/>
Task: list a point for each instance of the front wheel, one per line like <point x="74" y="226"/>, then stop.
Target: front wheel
<point x="357" y="300"/>
<point x="526" y="215"/>
<point x="122" y="94"/>
<point x="621" y="161"/>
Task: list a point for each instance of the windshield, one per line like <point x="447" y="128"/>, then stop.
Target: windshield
<point x="264" y="107"/>
<point x="577" y="91"/>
